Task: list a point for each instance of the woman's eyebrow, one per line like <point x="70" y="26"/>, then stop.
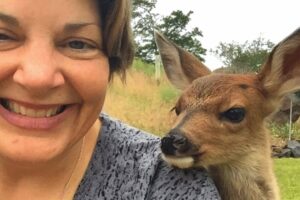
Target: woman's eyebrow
<point x="8" y="19"/>
<point x="71" y="27"/>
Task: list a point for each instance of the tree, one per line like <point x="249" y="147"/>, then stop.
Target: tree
<point x="245" y="57"/>
<point x="174" y="26"/>
<point x="143" y="21"/>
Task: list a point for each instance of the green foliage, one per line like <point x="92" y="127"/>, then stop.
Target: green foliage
<point x="140" y="7"/>
<point x="168" y="94"/>
<point x="174" y="26"/>
<point x="282" y="131"/>
<point x="288" y="176"/>
<point x="245" y="57"/>
<point x="143" y="21"/>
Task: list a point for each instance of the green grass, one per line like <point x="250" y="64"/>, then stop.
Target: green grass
<point x="168" y="94"/>
<point x="140" y="66"/>
<point x="288" y="176"/>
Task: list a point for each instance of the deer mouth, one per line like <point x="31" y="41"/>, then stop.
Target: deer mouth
<point x="179" y="151"/>
<point x="183" y="161"/>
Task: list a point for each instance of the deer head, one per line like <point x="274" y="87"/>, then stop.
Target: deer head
<point x="220" y="117"/>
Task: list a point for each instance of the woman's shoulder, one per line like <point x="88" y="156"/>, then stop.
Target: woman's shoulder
<point x="127" y="141"/>
<point x="119" y="131"/>
<point x="171" y="183"/>
<point x="123" y="162"/>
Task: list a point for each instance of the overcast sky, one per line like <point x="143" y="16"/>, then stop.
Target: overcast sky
<point x="237" y="20"/>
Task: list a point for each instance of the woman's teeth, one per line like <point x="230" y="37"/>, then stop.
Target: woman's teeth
<point x="19" y="109"/>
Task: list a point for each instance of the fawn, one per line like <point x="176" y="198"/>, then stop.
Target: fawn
<point x="220" y="124"/>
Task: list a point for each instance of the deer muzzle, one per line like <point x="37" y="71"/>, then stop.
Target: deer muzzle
<point x="175" y="143"/>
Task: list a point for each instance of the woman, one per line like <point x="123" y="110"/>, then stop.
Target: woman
<point x="57" y="58"/>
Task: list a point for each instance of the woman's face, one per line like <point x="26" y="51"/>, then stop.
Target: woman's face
<point x="53" y="76"/>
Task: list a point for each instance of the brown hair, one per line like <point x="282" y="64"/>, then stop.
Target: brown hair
<point x="117" y="34"/>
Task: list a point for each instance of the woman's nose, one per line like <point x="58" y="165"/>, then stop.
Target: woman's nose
<point x="38" y="69"/>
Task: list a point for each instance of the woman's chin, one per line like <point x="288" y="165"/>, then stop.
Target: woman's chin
<point x="32" y="152"/>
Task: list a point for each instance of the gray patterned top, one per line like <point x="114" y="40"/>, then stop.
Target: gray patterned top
<point x="126" y="165"/>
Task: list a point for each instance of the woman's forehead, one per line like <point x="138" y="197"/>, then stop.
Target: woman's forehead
<point x="50" y="12"/>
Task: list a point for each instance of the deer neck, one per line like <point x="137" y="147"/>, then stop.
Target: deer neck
<point x="245" y="179"/>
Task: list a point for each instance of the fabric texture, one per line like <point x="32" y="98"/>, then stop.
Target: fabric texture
<point x="126" y="165"/>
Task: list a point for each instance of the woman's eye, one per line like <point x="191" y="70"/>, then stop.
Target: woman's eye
<point x="4" y="37"/>
<point x="9" y="41"/>
<point x="80" y="48"/>
<point x="80" y="45"/>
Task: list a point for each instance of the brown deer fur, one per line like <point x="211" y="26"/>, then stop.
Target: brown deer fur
<point x="236" y="154"/>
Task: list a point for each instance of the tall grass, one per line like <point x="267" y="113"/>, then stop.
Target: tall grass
<point x="142" y="102"/>
<point x="282" y="131"/>
<point x="145" y="68"/>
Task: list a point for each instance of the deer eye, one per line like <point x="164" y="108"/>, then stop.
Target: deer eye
<point x="234" y="115"/>
<point x="176" y="110"/>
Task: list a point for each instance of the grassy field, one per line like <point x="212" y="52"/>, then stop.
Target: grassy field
<point x="142" y="103"/>
<point x="146" y="105"/>
<point x="288" y="176"/>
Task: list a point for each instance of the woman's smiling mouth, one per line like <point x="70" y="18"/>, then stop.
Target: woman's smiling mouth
<point x="32" y="112"/>
<point x="32" y="116"/>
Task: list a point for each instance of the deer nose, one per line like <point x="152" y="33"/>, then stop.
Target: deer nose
<point x="174" y="142"/>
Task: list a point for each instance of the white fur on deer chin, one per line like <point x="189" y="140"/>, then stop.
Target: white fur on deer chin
<point x="180" y="162"/>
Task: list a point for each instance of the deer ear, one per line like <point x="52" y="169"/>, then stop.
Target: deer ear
<point x="281" y="73"/>
<point x="180" y="66"/>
